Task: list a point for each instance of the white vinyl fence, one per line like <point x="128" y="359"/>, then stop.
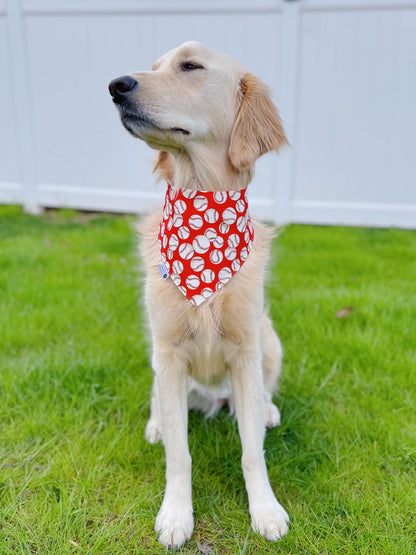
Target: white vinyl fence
<point x="343" y="73"/>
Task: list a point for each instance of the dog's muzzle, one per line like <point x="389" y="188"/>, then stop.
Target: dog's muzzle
<point x="121" y="87"/>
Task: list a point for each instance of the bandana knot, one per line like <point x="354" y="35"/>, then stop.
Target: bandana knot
<point x="205" y="237"/>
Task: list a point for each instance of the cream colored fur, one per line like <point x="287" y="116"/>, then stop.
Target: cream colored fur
<point x="210" y="124"/>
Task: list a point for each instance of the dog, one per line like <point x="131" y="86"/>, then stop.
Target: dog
<point x="210" y="120"/>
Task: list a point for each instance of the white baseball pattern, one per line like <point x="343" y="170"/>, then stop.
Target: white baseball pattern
<point x="224" y="228"/>
<point x="196" y="300"/>
<point x="240" y="205"/>
<point x="234" y="195"/>
<point x="229" y="216"/>
<point x="188" y="193"/>
<point x="176" y="279"/>
<point x="233" y="240"/>
<point x="177" y="220"/>
<point x="230" y="253"/>
<point x="207" y="292"/>
<point x="197" y="263"/>
<point x="195" y="222"/>
<point x="177" y="267"/>
<point x="211" y="215"/>
<point x="200" y="244"/>
<point x="204" y="239"/>
<point x="225" y="275"/>
<point x="167" y="210"/>
<point x="173" y="242"/>
<point x="216" y="256"/>
<point x="208" y="276"/>
<point x="218" y="242"/>
<point x="236" y="265"/>
<point x="186" y="251"/>
<point x="220" y="197"/>
<point x="210" y="234"/>
<point x="180" y="207"/>
<point x="192" y="281"/>
<point x="200" y="203"/>
<point x="241" y="224"/>
<point x="183" y="232"/>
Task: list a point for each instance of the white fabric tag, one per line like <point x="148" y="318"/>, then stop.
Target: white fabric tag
<point x="163" y="271"/>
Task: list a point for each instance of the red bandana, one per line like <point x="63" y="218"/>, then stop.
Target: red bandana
<point x="204" y="237"/>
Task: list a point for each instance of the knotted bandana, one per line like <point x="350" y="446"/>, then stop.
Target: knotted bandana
<point x="204" y="237"/>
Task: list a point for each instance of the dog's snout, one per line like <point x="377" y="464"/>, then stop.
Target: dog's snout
<point x="121" y="86"/>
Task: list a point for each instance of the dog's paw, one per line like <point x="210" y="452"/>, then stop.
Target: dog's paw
<point x="174" y="525"/>
<point x="270" y="520"/>
<point x="272" y="416"/>
<point x="152" y="433"/>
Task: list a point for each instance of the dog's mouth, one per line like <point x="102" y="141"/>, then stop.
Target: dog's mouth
<point x="180" y="130"/>
<point x="131" y="116"/>
<point x="135" y="122"/>
<point x="138" y="123"/>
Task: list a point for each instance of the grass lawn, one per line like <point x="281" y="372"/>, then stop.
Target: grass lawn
<point x="76" y="475"/>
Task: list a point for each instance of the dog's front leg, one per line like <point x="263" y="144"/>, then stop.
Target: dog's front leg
<point x="174" y="523"/>
<point x="267" y="515"/>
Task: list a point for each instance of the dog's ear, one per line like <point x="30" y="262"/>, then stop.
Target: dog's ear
<point x="164" y="166"/>
<point x="258" y="128"/>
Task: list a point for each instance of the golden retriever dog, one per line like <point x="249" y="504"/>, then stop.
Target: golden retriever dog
<point x="211" y="120"/>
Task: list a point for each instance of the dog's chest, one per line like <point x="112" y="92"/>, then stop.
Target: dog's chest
<point x="207" y="346"/>
<point x="206" y="366"/>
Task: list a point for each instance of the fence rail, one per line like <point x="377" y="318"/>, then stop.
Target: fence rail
<point x="343" y="76"/>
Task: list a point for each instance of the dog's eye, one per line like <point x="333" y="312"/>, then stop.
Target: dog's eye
<point x="189" y="66"/>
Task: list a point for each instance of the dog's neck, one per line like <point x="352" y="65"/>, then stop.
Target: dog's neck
<point x="208" y="168"/>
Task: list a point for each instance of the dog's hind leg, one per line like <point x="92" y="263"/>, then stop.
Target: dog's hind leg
<point x="153" y="427"/>
<point x="271" y="350"/>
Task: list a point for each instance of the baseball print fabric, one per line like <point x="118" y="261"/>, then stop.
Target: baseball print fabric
<point x="205" y="237"/>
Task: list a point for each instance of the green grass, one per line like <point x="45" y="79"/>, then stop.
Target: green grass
<point x="76" y="475"/>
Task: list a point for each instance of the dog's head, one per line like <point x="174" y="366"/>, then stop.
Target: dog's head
<point x="196" y="96"/>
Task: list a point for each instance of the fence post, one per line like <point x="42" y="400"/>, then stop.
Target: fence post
<point x="24" y="111"/>
<point x="288" y="105"/>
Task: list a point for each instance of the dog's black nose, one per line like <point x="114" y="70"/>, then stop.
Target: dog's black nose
<point x="120" y="87"/>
